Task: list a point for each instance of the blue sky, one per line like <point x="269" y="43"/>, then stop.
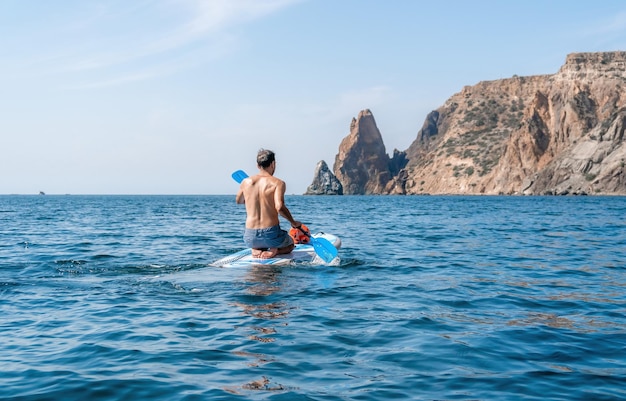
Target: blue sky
<point x="171" y="96"/>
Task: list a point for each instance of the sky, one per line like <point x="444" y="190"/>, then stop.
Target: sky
<point x="172" y="96"/>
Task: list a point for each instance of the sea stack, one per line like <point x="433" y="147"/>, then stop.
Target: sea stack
<point x="324" y="182"/>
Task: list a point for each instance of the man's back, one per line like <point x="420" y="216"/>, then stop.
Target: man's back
<point x="263" y="196"/>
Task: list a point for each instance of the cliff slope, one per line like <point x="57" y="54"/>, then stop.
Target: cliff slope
<point x="549" y="134"/>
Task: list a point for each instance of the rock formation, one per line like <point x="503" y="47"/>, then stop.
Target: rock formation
<point x="545" y="134"/>
<point x="362" y="164"/>
<point x="324" y="182"/>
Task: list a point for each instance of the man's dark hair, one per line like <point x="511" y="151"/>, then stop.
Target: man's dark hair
<point x="264" y="158"/>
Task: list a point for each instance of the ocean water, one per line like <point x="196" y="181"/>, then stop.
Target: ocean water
<point x="435" y="298"/>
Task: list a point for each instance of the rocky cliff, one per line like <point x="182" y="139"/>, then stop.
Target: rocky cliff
<point x="550" y="134"/>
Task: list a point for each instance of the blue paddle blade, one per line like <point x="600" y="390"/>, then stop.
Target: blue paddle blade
<point x="324" y="249"/>
<point x="239" y="176"/>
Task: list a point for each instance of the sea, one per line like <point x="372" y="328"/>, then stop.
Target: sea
<point x="433" y="298"/>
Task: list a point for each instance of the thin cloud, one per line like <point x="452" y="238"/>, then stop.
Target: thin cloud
<point x="608" y="31"/>
<point x="206" y="24"/>
<point x="140" y="76"/>
<point x="616" y="25"/>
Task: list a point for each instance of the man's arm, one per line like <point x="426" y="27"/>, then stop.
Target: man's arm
<point x="240" y="199"/>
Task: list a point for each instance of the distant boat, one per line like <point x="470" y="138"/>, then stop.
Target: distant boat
<point x="42" y="193"/>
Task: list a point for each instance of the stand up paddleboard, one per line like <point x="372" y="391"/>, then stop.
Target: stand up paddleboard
<point x="323" y="246"/>
<point x="302" y="253"/>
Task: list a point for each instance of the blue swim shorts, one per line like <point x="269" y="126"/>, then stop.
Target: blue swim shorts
<point x="263" y="238"/>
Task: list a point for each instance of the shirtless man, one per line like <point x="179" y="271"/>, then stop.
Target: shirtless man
<point x="264" y="197"/>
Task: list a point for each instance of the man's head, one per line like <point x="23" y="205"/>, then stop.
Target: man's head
<point x="265" y="158"/>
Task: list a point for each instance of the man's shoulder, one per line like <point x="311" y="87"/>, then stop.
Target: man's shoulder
<point x="270" y="178"/>
<point x="278" y="181"/>
<point x="267" y="181"/>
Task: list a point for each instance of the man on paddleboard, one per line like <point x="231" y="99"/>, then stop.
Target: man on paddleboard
<point x="264" y="197"/>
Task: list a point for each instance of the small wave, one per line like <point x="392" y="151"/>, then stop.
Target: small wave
<point x="348" y="262"/>
<point x="103" y="256"/>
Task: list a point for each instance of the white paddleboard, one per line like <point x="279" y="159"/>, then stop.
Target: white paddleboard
<point x="301" y="253"/>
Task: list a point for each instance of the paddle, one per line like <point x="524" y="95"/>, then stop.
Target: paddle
<point x="239" y="176"/>
<point x="323" y="248"/>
